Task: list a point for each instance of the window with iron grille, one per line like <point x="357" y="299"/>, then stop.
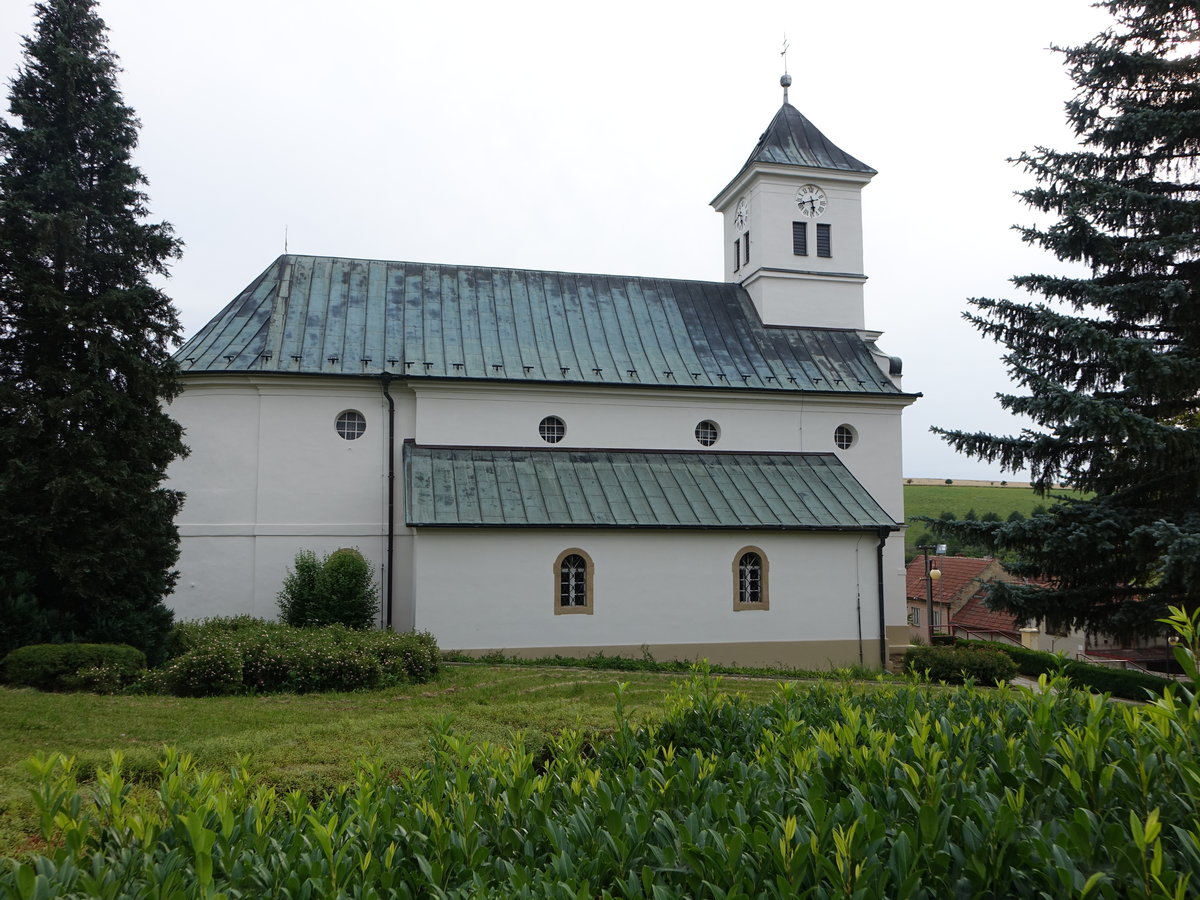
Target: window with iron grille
<point x="707" y="432"/>
<point x="800" y="238"/>
<point x="573" y="582"/>
<point x="552" y="429"/>
<point x="824" y="240"/>
<point x="750" y="579"/>
<point x="350" y="425"/>
<point x="844" y="437"/>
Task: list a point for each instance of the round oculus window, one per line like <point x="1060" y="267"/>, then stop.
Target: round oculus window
<point x="350" y="425"/>
<point x="844" y="437"/>
<point x="707" y="432"/>
<point x="552" y="429"/>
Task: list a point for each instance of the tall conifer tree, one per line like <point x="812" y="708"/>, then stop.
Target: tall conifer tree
<point x="87" y="534"/>
<point x="1110" y="364"/>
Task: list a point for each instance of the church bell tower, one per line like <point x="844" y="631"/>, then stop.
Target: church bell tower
<point x="793" y="226"/>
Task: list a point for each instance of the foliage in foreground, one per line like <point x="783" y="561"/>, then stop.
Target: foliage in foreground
<point x="831" y="790"/>
<point x="1110" y="364"/>
<point x="247" y="655"/>
<point x="89" y="540"/>
<point x="102" y="668"/>
<point x="337" y="589"/>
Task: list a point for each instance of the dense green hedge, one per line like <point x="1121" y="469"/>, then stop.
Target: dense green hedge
<point x="247" y="655"/>
<point x="955" y="665"/>
<point x="102" y="668"/>
<point x="1127" y="683"/>
<point x="830" y="790"/>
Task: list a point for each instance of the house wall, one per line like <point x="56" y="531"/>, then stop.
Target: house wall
<point x="670" y="591"/>
<point x="268" y="476"/>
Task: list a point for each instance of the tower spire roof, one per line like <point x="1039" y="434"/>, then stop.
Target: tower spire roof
<point x="792" y="140"/>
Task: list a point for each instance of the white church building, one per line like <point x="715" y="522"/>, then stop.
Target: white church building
<point x="553" y="462"/>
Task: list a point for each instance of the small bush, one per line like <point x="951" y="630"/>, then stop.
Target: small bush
<point x="338" y="589"/>
<point x="206" y="671"/>
<point x="103" y="668"/>
<point x="954" y="665"/>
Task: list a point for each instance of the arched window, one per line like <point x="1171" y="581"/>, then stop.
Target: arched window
<point x="573" y="582"/>
<point x="750" y="579"/>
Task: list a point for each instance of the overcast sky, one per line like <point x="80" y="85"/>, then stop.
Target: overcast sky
<point x="591" y="137"/>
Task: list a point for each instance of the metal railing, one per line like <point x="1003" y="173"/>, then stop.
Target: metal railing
<point x="997" y="636"/>
<point x="1117" y="662"/>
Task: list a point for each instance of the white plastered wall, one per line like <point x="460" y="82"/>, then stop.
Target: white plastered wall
<point x="268" y="476"/>
<point x="497" y="589"/>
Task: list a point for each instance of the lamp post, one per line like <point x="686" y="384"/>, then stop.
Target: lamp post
<point x="931" y="575"/>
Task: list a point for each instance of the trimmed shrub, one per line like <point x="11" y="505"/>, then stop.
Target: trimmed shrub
<point x="248" y="655"/>
<point x="346" y="591"/>
<point x="102" y="668"/>
<point x="338" y="589"/>
<point x="954" y="665"/>
<point x="1126" y="683"/>
<point x="186" y="635"/>
<point x="206" y="671"/>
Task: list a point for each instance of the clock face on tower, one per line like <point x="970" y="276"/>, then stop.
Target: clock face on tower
<point x="811" y="200"/>
<point x="741" y="218"/>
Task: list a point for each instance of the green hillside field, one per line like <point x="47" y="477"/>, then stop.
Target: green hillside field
<point x="934" y="499"/>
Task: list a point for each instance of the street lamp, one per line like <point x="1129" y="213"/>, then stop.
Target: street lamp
<point x="931" y="575"/>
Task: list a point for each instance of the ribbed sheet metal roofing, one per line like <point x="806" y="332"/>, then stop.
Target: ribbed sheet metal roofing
<point x="792" y="140"/>
<point x="358" y="317"/>
<point x="505" y="487"/>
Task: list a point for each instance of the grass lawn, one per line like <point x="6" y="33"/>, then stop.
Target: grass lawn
<point x="934" y="499"/>
<point x="309" y="742"/>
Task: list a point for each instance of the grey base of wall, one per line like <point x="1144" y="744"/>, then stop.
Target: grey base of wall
<point x="813" y="655"/>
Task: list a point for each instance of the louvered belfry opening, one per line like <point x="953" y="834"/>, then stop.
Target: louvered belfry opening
<point x="824" y="240"/>
<point x="800" y="238"/>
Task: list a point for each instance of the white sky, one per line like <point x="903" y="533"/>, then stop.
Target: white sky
<point x="591" y="137"/>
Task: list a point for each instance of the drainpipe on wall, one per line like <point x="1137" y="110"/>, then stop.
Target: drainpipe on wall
<point x="385" y="379"/>
<point x="883" y="641"/>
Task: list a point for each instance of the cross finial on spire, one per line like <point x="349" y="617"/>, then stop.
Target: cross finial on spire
<point x="786" y="81"/>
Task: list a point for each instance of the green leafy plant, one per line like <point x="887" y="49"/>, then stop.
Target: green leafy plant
<point x="338" y="589"/>
<point x="101" y="668"/>
<point x="243" y="654"/>
<point x="954" y="665"/>
<point x="825" y="790"/>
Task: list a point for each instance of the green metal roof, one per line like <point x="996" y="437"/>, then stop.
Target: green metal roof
<point x="506" y="487"/>
<point x="358" y="317"/>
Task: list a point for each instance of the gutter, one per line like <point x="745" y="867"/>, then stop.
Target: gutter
<point x="384" y="380"/>
<point x="883" y="642"/>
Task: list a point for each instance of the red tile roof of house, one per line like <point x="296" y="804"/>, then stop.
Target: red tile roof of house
<point x="976" y="616"/>
<point x="957" y="573"/>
